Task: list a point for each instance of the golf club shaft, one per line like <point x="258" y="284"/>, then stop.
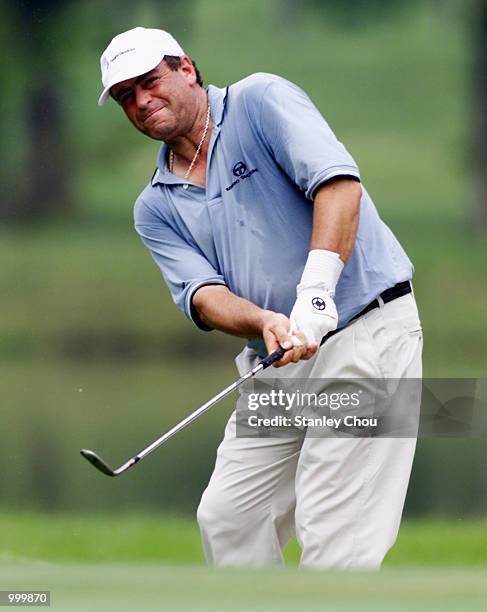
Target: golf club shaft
<point x="270" y="359"/>
<point x="194" y="415"/>
<point x="95" y="460"/>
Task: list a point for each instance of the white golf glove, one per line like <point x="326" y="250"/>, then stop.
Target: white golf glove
<point x="314" y="312"/>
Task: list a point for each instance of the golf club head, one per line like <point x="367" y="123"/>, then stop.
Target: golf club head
<point x="97" y="462"/>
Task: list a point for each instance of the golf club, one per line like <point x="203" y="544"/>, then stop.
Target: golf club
<point x="101" y="465"/>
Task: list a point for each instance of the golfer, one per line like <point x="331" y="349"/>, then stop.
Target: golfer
<point x="259" y="222"/>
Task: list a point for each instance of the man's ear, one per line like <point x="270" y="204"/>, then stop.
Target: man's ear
<point x="187" y="69"/>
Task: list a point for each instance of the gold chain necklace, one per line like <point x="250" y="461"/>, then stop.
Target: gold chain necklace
<point x="193" y="161"/>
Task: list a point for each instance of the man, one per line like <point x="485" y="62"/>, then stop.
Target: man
<point x="259" y="223"/>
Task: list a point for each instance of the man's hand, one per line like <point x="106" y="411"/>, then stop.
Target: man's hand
<point x="276" y="332"/>
<point x="218" y="307"/>
<point x="314" y="313"/>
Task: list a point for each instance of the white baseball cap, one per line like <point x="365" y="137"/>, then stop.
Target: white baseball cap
<point x="133" y="53"/>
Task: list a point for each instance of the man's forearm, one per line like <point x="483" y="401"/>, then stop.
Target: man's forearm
<point x="221" y="309"/>
<point x="335" y="221"/>
<point x="336" y="216"/>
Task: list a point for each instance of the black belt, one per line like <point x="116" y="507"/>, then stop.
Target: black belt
<point x="387" y="296"/>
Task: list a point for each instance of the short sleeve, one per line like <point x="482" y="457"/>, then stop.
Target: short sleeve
<point x="184" y="268"/>
<point x="301" y="141"/>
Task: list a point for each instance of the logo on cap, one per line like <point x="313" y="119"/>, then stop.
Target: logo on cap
<point x="121" y="53"/>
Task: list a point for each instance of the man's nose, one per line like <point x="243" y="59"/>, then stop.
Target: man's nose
<point x="142" y="98"/>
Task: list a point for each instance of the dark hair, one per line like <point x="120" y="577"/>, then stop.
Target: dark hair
<point x="174" y="63"/>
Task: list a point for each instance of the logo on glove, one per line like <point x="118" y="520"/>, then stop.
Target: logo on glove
<point x="318" y="303"/>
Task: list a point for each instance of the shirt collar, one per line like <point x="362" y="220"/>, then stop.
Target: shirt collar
<point x="217" y="99"/>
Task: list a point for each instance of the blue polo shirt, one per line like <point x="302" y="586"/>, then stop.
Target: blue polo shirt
<point x="249" y="229"/>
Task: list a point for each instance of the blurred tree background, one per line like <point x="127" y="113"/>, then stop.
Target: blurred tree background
<point x="93" y="352"/>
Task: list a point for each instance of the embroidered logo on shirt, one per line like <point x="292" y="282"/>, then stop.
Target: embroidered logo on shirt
<point x="240" y="171"/>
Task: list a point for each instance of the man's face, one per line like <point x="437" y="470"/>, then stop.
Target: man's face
<point x="162" y="102"/>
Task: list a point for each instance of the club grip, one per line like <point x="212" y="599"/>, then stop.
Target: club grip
<point x="272" y="358"/>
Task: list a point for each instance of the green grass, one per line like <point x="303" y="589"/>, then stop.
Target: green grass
<point x="134" y="587"/>
<point x="149" y="562"/>
<point x="154" y="562"/>
<point x="140" y="538"/>
<point x="169" y="540"/>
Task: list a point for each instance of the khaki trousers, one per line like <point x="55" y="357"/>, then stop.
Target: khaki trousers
<point x="342" y="497"/>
